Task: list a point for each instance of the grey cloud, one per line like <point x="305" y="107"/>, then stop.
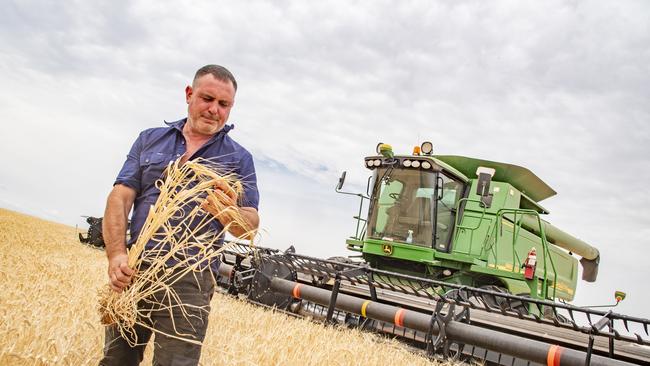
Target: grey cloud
<point x="559" y="87"/>
<point x="73" y="38"/>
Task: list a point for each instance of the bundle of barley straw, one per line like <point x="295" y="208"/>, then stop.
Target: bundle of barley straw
<point x="176" y="234"/>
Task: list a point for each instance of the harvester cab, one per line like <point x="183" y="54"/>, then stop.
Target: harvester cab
<point x="468" y="222"/>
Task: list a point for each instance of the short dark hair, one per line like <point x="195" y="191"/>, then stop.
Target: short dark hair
<point x="219" y="73"/>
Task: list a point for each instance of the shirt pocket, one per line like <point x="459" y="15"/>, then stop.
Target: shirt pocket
<point x="153" y="164"/>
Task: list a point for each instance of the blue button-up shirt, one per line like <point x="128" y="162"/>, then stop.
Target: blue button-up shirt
<point x="156" y="147"/>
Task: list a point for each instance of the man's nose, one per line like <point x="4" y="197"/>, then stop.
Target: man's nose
<point x="214" y="108"/>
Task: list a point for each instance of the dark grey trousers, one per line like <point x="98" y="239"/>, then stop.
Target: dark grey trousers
<point x="195" y="289"/>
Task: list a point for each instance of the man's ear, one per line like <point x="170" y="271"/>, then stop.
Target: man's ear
<point x="188" y="93"/>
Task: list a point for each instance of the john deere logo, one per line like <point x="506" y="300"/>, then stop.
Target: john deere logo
<point x="387" y="249"/>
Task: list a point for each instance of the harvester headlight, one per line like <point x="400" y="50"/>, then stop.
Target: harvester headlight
<point x="377" y="162"/>
<point x="369" y="163"/>
<point x="415" y="164"/>
<point x="426" y="148"/>
<point x="407" y="163"/>
<point x="426" y="165"/>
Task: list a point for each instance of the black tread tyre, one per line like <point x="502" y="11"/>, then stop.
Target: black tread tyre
<point x="502" y="303"/>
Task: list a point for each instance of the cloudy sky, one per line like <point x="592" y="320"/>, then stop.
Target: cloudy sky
<point x="561" y="87"/>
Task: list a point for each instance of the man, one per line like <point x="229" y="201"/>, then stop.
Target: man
<point x="202" y="134"/>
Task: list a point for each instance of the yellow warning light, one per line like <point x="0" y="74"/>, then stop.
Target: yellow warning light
<point x="416" y="150"/>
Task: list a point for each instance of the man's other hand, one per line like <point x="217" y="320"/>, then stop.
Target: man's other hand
<point x="226" y="193"/>
<point x="223" y="204"/>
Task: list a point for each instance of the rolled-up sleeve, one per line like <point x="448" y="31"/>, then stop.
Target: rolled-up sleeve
<point x="131" y="171"/>
<point x="249" y="181"/>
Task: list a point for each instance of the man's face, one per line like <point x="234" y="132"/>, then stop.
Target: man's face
<point x="209" y="101"/>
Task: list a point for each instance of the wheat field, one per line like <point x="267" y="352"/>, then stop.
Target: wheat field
<point x="48" y="312"/>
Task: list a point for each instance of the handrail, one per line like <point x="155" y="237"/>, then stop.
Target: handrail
<point x="358" y="217"/>
<point x="545" y="247"/>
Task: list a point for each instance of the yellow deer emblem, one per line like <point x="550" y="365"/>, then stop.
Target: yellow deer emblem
<point x="387" y="249"/>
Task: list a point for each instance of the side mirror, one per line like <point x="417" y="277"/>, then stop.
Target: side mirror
<point x="483" y="187"/>
<point x="341" y="181"/>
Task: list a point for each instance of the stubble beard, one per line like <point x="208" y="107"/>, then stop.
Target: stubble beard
<point x="205" y="128"/>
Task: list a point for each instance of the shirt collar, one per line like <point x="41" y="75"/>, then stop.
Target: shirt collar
<point x="181" y="122"/>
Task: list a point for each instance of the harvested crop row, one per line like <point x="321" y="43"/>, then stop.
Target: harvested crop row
<point x="48" y="314"/>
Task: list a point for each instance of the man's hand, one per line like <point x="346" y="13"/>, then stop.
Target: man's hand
<point x="118" y="205"/>
<point x="119" y="273"/>
<point x="223" y="205"/>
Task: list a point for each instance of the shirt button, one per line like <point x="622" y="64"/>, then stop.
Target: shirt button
<point x="146" y="161"/>
<point x="178" y="154"/>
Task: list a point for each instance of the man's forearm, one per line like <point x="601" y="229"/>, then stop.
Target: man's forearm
<point x="115" y="223"/>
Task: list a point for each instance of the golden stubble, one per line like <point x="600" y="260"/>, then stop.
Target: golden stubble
<point x="48" y="313"/>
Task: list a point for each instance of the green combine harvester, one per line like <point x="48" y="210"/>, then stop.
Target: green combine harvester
<point x="453" y="257"/>
<point x="469" y="222"/>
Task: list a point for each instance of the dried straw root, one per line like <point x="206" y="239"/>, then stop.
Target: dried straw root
<point x="176" y="225"/>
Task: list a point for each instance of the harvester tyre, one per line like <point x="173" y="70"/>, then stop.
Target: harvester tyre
<point x="502" y="303"/>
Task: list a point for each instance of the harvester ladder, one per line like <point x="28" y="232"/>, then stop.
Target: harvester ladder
<point x="360" y="231"/>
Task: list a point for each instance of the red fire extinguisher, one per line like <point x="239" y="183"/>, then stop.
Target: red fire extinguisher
<point x="530" y="264"/>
